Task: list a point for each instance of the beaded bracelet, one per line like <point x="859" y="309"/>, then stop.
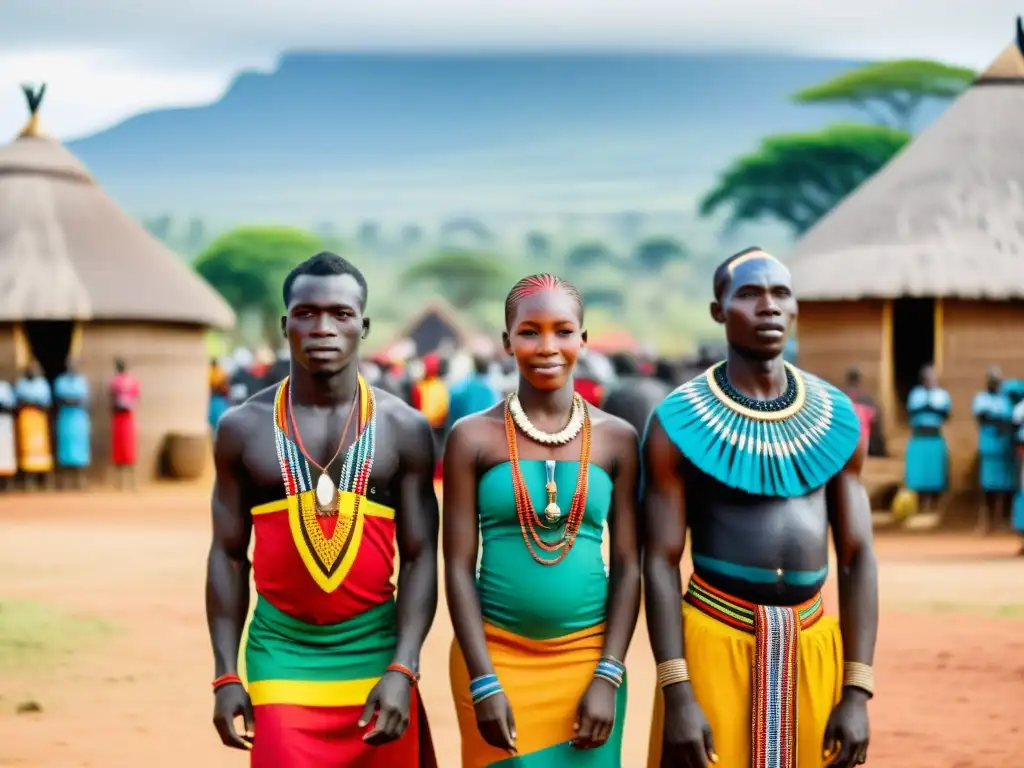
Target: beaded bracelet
<point x="857" y="675"/>
<point x="673" y="671"/>
<point x="483" y="687"/>
<point x="404" y="670"/>
<point x="228" y="679"/>
<point x="610" y="669"/>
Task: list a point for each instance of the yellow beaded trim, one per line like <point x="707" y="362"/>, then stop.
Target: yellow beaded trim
<point x="750" y="413"/>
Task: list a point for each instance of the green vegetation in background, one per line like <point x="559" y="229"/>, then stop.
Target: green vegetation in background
<point x="35" y="634"/>
<point x="795" y="179"/>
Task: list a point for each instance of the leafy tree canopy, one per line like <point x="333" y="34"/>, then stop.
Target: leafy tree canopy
<point x="898" y="86"/>
<point x="248" y="265"/>
<point x="653" y="253"/>
<point x="797" y="178"/>
<point x="463" y="277"/>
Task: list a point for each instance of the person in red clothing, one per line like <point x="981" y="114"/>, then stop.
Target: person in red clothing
<point x="124" y="399"/>
<point x="585" y="384"/>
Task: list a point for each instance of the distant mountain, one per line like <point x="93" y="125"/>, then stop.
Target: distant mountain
<point x="342" y="136"/>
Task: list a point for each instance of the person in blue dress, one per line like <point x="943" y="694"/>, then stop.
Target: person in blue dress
<point x="996" y="463"/>
<point x="74" y="427"/>
<point x="474" y="393"/>
<point x="1017" y="521"/>
<point x="927" y="459"/>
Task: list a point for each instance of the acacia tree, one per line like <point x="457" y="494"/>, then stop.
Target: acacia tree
<point x="464" y="278"/>
<point x="797" y="178"/>
<point x="247" y="266"/>
<point x="890" y="92"/>
<point x="653" y="253"/>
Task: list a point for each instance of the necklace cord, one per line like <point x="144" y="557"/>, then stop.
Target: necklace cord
<point x="356" y="405"/>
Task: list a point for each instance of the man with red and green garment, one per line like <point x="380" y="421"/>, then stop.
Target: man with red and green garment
<point x="325" y="474"/>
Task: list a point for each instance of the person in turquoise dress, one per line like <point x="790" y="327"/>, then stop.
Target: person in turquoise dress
<point x="542" y="625"/>
<point x="1017" y="516"/>
<point x="996" y="461"/>
<point x="74" y="428"/>
<point x="927" y="458"/>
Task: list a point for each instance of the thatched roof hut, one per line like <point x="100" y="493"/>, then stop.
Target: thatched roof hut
<point x="925" y="261"/>
<point x="79" y="276"/>
<point x="438" y="327"/>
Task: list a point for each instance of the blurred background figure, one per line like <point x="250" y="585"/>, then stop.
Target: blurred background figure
<point x="74" y="427"/>
<point x="124" y="399"/>
<point x="474" y="392"/>
<point x="8" y="455"/>
<point x="633" y="396"/>
<point x="35" y="449"/>
<point x="220" y="387"/>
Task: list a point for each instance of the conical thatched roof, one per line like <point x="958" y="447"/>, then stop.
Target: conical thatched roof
<point x="68" y="252"/>
<point x="944" y="218"/>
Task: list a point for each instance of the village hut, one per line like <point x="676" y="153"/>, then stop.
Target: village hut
<point x="80" y="278"/>
<point x="924" y="262"/>
<point x="438" y="327"/>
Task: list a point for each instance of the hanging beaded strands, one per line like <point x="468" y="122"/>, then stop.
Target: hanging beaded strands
<point x="529" y="520"/>
<point x="295" y="462"/>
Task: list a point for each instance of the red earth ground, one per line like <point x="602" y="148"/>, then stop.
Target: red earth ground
<point x="950" y="659"/>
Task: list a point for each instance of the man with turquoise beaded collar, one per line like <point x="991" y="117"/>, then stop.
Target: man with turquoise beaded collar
<point x="758" y="459"/>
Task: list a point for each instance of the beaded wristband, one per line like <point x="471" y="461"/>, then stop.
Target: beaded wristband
<point x="228" y="679"/>
<point x="611" y="670"/>
<point x="483" y="687"/>
<point x="404" y="670"/>
<point x="857" y="675"/>
<point x="673" y="671"/>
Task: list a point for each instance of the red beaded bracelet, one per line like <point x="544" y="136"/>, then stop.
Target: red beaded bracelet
<point x="404" y="670"/>
<point x="228" y="679"/>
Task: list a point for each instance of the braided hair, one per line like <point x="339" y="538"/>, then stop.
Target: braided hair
<point x="532" y="284"/>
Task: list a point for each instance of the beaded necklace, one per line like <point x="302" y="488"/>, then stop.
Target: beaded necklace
<point x="355" y="470"/>
<point x="529" y="520"/>
<point x="783" y="401"/>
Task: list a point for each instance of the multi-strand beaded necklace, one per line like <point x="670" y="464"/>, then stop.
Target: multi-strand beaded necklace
<point x="529" y="520"/>
<point x="355" y="470"/>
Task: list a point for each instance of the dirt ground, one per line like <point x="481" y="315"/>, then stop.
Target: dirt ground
<point x="950" y="661"/>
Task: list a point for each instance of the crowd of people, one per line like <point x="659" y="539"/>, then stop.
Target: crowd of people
<point x="46" y="430"/>
<point x="334" y="479"/>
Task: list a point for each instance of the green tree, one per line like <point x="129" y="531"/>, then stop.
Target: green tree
<point x="890" y="92"/>
<point x="248" y="265"/>
<point x="538" y="245"/>
<point x="653" y="253"/>
<point x="590" y="254"/>
<point x="797" y="178"/>
<point x="609" y="298"/>
<point x="464" y="278"/>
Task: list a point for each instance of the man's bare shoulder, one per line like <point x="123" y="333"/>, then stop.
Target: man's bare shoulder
<point x="239" y="421"/>
<point x="399" y="415"/>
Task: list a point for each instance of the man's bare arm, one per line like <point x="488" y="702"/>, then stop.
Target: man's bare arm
<point x="227" y="568"/>
<point x="664" y="523"/>
<point x="850" y="517"/>
<point x="416" y="529"/>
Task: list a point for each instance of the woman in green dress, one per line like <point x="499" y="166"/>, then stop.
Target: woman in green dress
<point x="542" y="625"/>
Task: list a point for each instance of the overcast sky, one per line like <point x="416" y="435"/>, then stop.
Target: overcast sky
<point x="105" y="60"/>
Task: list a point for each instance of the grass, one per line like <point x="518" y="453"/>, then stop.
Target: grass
<point x="34" y="634"/>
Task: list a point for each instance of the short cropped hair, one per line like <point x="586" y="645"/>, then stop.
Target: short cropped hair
<point x="324" y="264"/>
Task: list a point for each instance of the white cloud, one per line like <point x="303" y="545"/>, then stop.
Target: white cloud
<point x="107" y="59"/>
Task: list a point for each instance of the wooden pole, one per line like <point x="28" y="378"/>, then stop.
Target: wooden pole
<point x="22" y="353"/>
<point x="886" y="377"/>
<point x="939" y="338"/>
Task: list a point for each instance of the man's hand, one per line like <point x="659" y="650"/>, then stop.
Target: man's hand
<point x="847" y="733"/>
<point x="595" y="715"/>
<point x="231" y="701"/>
<point x="686" y="742"/>
<point x="390" y="700"/>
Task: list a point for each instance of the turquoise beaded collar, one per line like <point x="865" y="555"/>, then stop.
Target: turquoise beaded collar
<point x="784" y="447"/>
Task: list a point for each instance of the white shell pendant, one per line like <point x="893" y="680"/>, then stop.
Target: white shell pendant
<point x="552" y="511"/>
<point x="326" y="494"/>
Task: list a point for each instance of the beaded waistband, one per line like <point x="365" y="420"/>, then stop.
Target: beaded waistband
<point x="740" y="614"/>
